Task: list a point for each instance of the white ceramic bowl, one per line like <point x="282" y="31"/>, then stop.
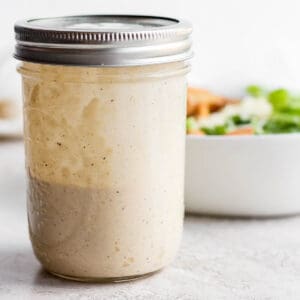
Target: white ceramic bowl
<point x="243" y="175"/>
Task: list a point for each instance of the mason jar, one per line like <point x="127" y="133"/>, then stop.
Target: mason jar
<point x="104" y="126"/>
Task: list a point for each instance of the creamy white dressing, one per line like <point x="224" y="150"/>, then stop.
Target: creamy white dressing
<point x="100" y="204"/>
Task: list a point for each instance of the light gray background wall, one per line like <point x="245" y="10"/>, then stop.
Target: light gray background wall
<point x="236" y="42"/>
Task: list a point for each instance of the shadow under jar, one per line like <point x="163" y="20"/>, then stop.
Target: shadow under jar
<point x="104" y="125"/>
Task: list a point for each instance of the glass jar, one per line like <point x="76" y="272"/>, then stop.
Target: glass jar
<point x="104" y="154"/>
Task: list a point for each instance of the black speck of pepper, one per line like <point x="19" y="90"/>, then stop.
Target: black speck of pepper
<point x="46" y="165"/>
<point x="123" y="208"/>
<point x="112" y="100"/>
<point x="117" y="192"/>
<point x="92" y="164"/>
<point x="104" y="158"/>
<point x="59" y="144"/>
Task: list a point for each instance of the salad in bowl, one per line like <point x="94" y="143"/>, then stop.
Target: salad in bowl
<point x="242" y="155"/>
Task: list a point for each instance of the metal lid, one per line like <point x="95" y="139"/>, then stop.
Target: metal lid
<point x="106" y="40"/>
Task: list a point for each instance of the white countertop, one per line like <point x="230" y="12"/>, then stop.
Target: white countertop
<point x="218" y="259"/>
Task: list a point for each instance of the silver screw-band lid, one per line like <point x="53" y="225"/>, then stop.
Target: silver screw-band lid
<point x="103" y="40"/>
